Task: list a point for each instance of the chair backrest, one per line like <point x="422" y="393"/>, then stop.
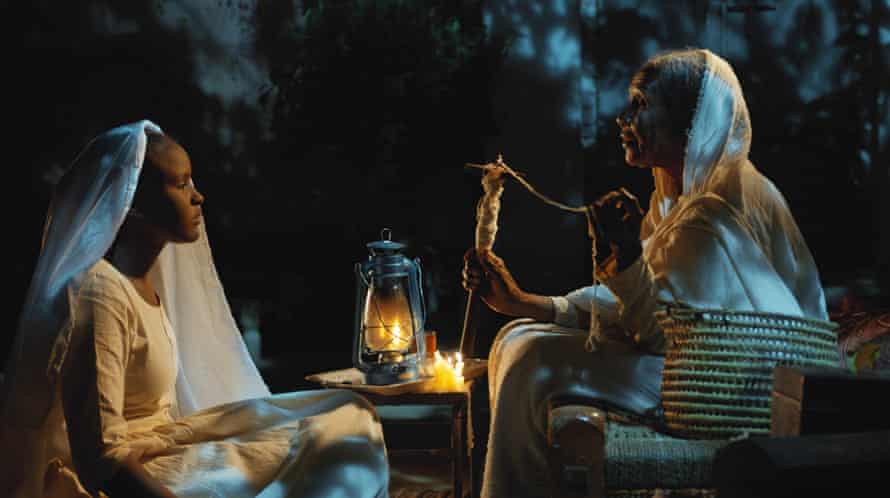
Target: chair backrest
<point x="718" y="369"/>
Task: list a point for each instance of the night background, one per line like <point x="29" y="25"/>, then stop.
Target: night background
<point x="312" y="124"/>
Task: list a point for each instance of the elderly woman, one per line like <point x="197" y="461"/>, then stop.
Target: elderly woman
<point x="129" y="375"/>
<point x="717" y="234"/>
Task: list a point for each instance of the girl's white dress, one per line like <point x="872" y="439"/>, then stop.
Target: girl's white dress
<point x="118" y="394"/>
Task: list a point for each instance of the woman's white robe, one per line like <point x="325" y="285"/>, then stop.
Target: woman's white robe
<point x="727" y="241"/>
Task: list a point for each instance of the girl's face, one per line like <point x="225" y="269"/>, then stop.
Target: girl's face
<point x="646" y="134"/>
<point x="167" y="196"/>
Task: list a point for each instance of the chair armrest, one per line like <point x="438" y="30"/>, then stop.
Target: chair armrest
<point x="576" y="436"/>
<point x="827" y="401"/>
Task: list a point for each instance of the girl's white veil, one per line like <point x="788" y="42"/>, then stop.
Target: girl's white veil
<point x="88" y="208"/>
<point x="214" y="364"/>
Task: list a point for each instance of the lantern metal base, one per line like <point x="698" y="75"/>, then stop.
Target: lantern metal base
<point x="381" y="374"/>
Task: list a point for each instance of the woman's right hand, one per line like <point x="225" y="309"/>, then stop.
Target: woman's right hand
<point x="618" y="219"/>
<point x="486" y="275"/>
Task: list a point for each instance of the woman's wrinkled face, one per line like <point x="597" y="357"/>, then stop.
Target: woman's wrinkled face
<point x="646" y="134"/>
<point x="167" y="196"/>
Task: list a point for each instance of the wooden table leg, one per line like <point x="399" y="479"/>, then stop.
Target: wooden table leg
<point x="457" y="450"/>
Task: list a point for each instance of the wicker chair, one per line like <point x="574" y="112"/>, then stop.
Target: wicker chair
<point x="716" y="387"/>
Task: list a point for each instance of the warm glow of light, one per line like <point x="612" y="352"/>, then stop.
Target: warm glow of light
<point x="387" y="319"/>
<point x="448" y="373"/>
<point x="396" y="342"/>
<point x="388" y="338"/>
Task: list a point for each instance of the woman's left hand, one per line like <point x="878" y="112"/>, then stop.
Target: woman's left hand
<point x="618" y="217"/>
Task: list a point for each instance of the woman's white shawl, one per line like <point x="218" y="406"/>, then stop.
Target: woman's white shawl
<point x="728" y="240"/>
<point x="87" y="210"/>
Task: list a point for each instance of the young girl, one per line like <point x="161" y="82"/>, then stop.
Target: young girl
<point x="129" y="375"/>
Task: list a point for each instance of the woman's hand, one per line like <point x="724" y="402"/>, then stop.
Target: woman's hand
<point x="618" y="217"/>
<point x="486" y="274"/>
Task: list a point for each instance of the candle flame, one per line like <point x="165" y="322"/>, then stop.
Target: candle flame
<point x="448" y="373"/>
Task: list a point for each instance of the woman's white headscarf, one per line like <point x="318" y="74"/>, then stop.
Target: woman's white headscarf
<point x="87" y="210"/>
<point x="725" y="195"/>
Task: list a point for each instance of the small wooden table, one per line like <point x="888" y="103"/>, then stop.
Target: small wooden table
<point x="421" y="423"/>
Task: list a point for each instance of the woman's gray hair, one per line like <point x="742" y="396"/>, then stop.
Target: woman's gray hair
<point x="675" y="76"/>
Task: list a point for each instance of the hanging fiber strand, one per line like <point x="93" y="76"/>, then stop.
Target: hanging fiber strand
<point x="489" y="207"/>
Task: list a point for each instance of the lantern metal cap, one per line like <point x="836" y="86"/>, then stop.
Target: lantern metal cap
<point x="385" y="245"/>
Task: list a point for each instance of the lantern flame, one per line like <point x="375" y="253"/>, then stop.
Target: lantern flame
<point x="397" y="340"/>
<point x="386" y="308"/>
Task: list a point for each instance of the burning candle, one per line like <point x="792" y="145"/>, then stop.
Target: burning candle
<point x="459" y="368"/>
<point x="448" y="373"/>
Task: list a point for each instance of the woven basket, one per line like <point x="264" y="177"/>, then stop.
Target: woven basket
<point x="718" y="368"/>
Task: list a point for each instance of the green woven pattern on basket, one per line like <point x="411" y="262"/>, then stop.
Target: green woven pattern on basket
<point x="639" y="458"/>
<point x="717" y="379"/>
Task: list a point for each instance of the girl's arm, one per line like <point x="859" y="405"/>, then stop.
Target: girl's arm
<point x="92" y="386"/>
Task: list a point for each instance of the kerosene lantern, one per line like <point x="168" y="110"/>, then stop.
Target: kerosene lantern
<point x="389" y="314"/>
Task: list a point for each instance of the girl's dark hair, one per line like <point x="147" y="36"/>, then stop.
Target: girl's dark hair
<point x="158" y="142"/>
<point x="675" y="76"/>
